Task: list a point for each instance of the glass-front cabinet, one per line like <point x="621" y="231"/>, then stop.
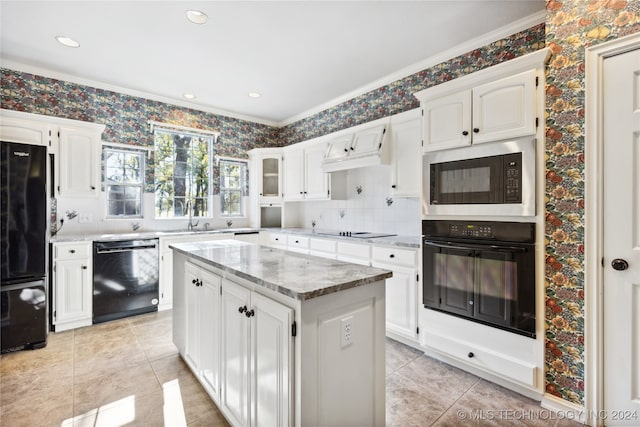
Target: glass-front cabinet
<point x="270" y="176"/>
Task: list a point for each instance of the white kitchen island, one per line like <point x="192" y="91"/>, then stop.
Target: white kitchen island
<point x="279" y="338"/>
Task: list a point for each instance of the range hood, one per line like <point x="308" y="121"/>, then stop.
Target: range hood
<point x="357" y="149"/>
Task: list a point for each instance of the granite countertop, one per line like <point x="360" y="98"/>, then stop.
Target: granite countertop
<point x="296" y="275"/>
<point x="398" y="240"/>
<point x="146" y="234"/>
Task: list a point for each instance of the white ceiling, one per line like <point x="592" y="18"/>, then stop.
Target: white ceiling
<point x="300" y="55"/>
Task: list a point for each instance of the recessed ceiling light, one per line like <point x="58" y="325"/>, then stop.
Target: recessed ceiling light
<point x="254" y="95"/>
<point x="189" y="95"/>
<point x="67" y="41"/>
<point x="196" y="16"/>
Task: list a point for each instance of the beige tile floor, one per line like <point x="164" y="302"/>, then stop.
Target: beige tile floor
<point x="128" y="373"/>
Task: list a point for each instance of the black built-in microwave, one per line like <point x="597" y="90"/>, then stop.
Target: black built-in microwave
<point x="495" y="178"/>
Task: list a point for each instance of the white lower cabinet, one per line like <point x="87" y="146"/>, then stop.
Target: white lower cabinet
<point x="238" y="343"/>
<point x="256" y="365"/>
<point x="72" y="285"/>
<point x="401" y="291"/>
<point x="166" y="262"/>
<point x="202" y="295"/>
<point x="282" y="361"/>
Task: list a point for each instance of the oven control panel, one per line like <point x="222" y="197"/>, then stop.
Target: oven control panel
<point x="471" y="230"/>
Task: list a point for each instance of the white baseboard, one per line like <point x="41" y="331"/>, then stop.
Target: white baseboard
<point x="564" y="409"/>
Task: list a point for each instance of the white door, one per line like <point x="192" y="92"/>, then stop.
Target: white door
<point x="316" y="181"/>
<point x="294" y="174"/>
<point x="505" y="108"/>
<point x="447" y="122"/>
<point x="74" y="292"/>
<point x="191" y="284"/>
<point x="271" y="363"/>
<point x="621" y="249"/>
<point x="406" y="158"/>
<point x="209" y="331"/>
<point x="368" y="141"/>
<point x="234" y="387"/>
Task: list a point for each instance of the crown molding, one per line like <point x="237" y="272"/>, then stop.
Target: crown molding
<point x="485" y="39"/>
<point x="45" y="72"/>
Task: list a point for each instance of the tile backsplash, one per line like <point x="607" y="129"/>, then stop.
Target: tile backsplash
<point x="369" y="207"/>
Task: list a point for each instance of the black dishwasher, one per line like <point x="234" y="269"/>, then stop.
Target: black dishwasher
<point x="125" y="278"/>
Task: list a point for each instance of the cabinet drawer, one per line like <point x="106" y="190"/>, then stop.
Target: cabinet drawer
<point x="323" y="245"/>
<point x="354" y="252"/>
<point x="298" y="244"/>
<point x="406" y="257"/>
<point x="71" y="250"/>
<point x="276" y="240"/>
<point x="484" y="358"/>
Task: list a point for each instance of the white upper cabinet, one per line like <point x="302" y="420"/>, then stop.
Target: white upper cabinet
<point x="406" y="154"/>
<point x="76" y="145"/>
<point x="505" y="108"/>
<point x="367" y="141"/>
<point x="494" y="104"/>
<point x="316" y="181"/>
<point x="339" y="147"/>
<point x="304" y="178"/>
<point x="447" y="121"/>
<point x="79" y="162"/>
<point x="294" y="173"/>
<point x="266" y="174"/>
<point x="24" y="131"/>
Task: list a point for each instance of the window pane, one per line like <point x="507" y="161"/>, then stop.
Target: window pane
<point x="232" y="183"/>
<point x="182" y="173"/>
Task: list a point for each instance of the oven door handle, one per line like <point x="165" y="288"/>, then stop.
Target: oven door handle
<point x="450" y="245"/>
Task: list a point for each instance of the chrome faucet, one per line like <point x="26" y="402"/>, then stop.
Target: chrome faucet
<point x="191" y="225"/>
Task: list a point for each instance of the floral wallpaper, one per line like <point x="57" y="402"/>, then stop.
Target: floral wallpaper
<point x="126" y="116"/>
<point x="571" y="26"/>
<point x="398" y="96"/>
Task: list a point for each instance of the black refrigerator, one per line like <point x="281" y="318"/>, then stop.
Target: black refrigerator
<point x="23" y="212"/>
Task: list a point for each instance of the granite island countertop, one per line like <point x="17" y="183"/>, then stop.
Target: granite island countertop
<point x="292" y="274"/>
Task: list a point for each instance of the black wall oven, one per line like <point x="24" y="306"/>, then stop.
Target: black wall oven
<point x="483" y="271"/>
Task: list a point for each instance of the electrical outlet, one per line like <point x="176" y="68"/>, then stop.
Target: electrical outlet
<point x="346" y="331"/>
<point x="84" y="218"/>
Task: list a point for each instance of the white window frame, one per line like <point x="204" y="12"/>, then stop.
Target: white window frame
<point x="242" y="188"/>
<point x="132" y="151"/>
<point x="211" y="137"/>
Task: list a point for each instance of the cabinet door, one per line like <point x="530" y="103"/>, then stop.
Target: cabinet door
<point x="406" y="158"/>
<point x="505" y="108"/>
<point x="339" y="148"/>
<point x="24" y="131"/>
<point x="209" y="326"/>
<point x="73" y="291"/>
<point x="166" y="280"/>
<point x="294" y="174"/>
<point x="316" y="181"/>
<point x="447" y="122"/>
<point x="367" y="141"/>
<point x="234" y="387"/>
<point x="270" y="177"/>
<point x="79" y="163"/>
<point x="401" y="300"/>
<point x="271" y="363"/>
<point x="191" y="279"/>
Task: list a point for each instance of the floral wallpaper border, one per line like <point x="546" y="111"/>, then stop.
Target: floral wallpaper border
<point x="126" y="117"/>
<point x="397" y="96"/>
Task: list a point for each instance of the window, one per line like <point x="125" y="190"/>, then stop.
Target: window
<point x="123" y="179"/>
<point x="232" y="186"/>
<point x="182" y="174"/>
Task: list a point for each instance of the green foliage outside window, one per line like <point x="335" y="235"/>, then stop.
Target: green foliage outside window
<point x="182" y="174"/>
